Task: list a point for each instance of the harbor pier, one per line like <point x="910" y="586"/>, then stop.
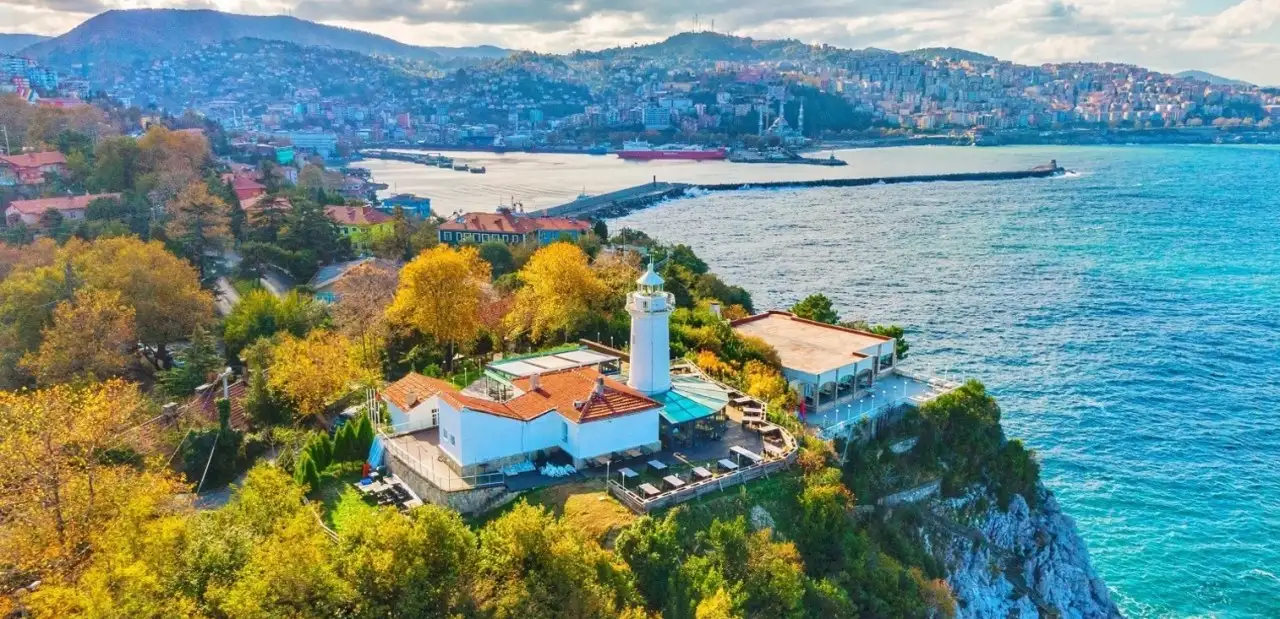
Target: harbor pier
<point x="623" y="201"/>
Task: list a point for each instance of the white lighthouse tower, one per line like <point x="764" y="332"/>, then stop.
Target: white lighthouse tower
<point x="650" y="310"/>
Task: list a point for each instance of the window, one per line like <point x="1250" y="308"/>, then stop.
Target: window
<point x="564" y="432"/>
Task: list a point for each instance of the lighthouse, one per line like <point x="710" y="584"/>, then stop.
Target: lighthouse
<point x="650" y="308"/>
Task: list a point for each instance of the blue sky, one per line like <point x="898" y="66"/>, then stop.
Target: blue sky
<point x="1235" y="38"/>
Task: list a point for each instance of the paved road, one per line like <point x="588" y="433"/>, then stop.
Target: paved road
<point x="226" y="296"/>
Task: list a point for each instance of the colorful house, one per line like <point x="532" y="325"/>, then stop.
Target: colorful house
<point x="72" y="208"/>
<point x="360" y="224"/>
<point x="30" y="168"/>
<point x="413" y="205"/>
<point x="510" y="227"/>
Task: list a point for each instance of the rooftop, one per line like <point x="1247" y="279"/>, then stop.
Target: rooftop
<point x="537" y="364"/>
<point x="356" y="215"/>
<point x="63" y="203"/>
<point x="809" y="346"/>
<point x="506" y="222"/>
<point x="34" y="160"/>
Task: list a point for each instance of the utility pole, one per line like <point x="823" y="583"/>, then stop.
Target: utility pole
<point x="5" y="130"/>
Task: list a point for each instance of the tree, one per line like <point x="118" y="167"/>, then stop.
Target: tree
<point x="199" y="362"/>
<point x="261" y="314"/>
<point x="51" y="219"/>
<point x="414" y="566"/>
<point x="558" y="293"/>
<point x="60" y="487"/>
<point x="440" y="295"/>
<point x="816" y="307"/>
<point x="200" y="222"/>
<point x="314" y="372"/>
<point x="90" y="337"/>
<point x="901" y="347"/>
<point x="290" y="573"/>
<point x="116" y="163"/>
<point x="307" y="473"/>
<point x="260" y="404"/>
<point x="530" y="562"/>
<point x="601" y="229"/>
<point x="163" y="289"/>
<point x="27" y="299"/>
<point x="498" y="255"/>
<point x="360" y="312"/>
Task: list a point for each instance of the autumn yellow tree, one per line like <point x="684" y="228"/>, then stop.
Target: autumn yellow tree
<point x="172" y="160"/>
<point x="440" y="295"/>
<point x="200" y="222"/>
<point x="57" y="486"/>
<point x="315" y="371"/>
<point x="558" y="293"/>
<point x="27" y="299"/>
<point x="163" y="289"/>
<point x="90" y="337"/>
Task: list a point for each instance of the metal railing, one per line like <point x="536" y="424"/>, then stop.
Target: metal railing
<point x="449" y="482"/>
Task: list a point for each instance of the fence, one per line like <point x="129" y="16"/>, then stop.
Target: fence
<point x="695" y="489"/>
<point x="447" y="481"/>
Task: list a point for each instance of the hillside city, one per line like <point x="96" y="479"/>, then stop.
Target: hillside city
<point x="695" y="87"/>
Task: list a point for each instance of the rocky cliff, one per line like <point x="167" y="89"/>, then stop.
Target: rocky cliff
<point x="1021" y="562"/>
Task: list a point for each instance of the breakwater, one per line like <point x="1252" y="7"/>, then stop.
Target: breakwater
<point x="623" y="201"/>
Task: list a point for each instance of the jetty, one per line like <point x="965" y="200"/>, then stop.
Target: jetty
<point x="783" y="155"/>
<point x="623" y="201"/>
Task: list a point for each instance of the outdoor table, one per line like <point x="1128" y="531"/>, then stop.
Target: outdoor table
<point x="673" y="481"/>
<point x="701" y="473"/>
<point x="633" y="453"/>
<point x="745" y="453"/>
<point x="372" y="487"/>
<point x="627" y="473"/>
<point x="773" y="450"/>
<point x="412" y="503"/>
<point x="728" y="464"/>
<point x="649" y="490"/>
<point x="657" y="465"/>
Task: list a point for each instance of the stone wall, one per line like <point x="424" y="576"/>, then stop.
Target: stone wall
<point x="465" y="501"/>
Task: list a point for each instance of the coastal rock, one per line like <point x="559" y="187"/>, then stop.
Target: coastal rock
<point x="1023" y="562"/>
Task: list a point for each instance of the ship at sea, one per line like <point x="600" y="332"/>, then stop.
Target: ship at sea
<point x="644" y="151"/>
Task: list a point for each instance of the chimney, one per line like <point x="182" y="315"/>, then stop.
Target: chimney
<point x="170" y="410"/>
<point x="715" y="309"/>
<point x="599" y="390"/>
<point x="533" y="382"/>
<point x="226" y="389"/>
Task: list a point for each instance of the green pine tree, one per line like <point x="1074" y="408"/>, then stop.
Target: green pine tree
<point x="364" y="437"/>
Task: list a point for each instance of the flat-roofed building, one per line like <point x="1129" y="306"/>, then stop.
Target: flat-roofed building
<point x="826" y="364"/>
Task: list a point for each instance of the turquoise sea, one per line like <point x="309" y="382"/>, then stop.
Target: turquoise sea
<point x="1127" y="317"/>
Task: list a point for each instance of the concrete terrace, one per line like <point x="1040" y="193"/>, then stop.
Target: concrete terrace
<point x="890" y="391"/>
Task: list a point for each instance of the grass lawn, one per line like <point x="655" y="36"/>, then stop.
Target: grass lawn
<point x="339" y="501"/>
<point x="583" y="504"/>
<point x="245" y="286"/>
<point x="777" y="494"/>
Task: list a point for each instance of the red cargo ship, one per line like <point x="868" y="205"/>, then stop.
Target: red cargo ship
<point x="644" y="151"/>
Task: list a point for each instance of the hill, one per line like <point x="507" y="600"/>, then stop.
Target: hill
<point x="480" y="52"/>
<point x="13" y="43"/>
<point x="1216" y="80"/>
<point x="950" y="53"/>
<point x="123" y="37"/>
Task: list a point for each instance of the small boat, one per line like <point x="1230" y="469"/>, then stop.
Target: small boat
<point x="477" y="170"/>
<point x="461" y="167"/>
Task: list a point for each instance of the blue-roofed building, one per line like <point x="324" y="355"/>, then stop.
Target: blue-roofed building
<point x="325" y="281"/>
<point x="417" y="206"/>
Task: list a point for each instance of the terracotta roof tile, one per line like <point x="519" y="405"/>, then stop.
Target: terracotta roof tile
<point x="356" y="215"/>
<point x="505" y="222"/>
<point x="62" y="203"/>
<point x="205" y="405"/>
<point x="407" y="392"/>
<point x="34" y="160"/>
<point x="568" y="392"/>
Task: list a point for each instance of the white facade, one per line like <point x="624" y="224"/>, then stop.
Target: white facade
<point x="420" y="417"/>
<point x="650" y="310"/>
<point x="473" y="438"/>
